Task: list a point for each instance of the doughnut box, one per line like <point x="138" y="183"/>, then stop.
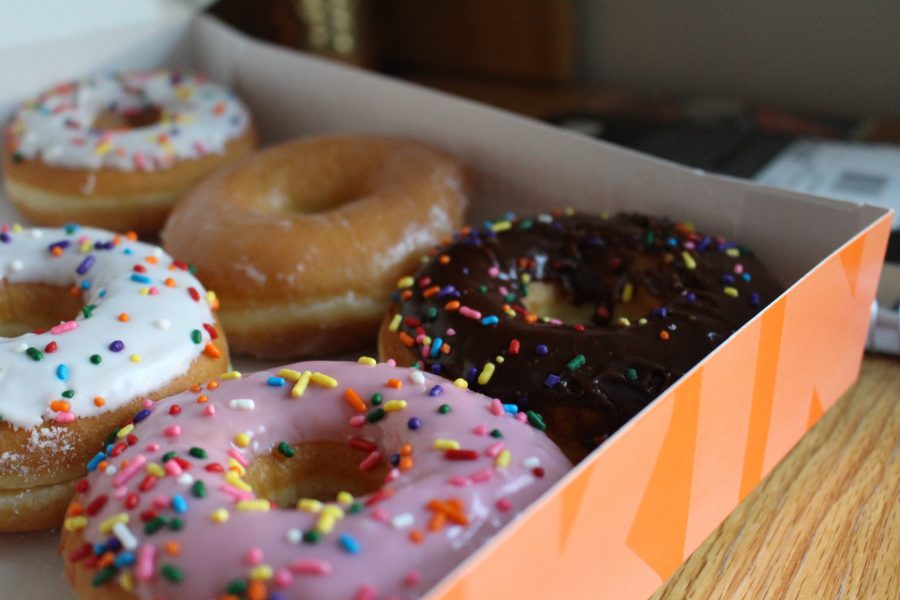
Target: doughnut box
<point x="626" y="517"/>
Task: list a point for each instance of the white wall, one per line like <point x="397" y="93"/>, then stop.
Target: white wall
<point x="839" y="56"/>
<point x="32" y="21"/>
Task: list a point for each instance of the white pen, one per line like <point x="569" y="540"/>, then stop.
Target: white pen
<point x="884" y="330"/>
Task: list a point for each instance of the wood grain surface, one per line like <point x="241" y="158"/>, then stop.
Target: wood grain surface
<point x="825" y="523"/>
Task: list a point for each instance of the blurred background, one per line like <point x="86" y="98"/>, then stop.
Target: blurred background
<point x="804" y="95"/>
<point x="831" y="55"/>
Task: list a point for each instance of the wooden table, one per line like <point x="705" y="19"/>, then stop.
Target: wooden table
<point x="825" y="523"/>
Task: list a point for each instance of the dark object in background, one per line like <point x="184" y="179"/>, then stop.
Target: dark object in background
<point x="531" y="41"/>
<point x="721" y="137"/>
<point x="511" y="40"/>
<point x="336" y="29"/>
<point x="723" y="147"/>
<point x="724" y="138"/>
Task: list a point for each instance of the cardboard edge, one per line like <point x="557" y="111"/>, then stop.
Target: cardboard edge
<point x="878" y="227"/>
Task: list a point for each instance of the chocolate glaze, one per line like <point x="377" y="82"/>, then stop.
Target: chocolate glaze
<point x="593" y="259"/>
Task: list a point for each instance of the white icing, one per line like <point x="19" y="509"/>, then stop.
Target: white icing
<point x="197" y="118"/>
<point x="151" y="356"/>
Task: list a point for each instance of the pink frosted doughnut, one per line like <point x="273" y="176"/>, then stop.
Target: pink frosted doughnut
<point x="317" y="480"/>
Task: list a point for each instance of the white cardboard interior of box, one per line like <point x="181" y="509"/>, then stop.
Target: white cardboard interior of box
<point x="521" y="165"/>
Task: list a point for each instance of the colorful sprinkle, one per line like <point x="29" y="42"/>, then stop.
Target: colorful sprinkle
<point x="486" y="372"/>
<point x="349" y="543"/>
<point x="286" y="449"/>
<point x="242" y="404"/>
<point x="302" y="381"/>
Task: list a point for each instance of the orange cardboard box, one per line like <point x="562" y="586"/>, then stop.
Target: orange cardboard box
<point x="624" y="519"/>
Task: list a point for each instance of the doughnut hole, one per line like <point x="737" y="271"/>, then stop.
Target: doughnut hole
<point x="317" y="470"/>
<point x="640" y="305"/>
<point x="550" y="300"/>
<point x="641" y="267"/>
<point x="337" y="176"/>
<point x="27" y="307"/>
<point x="319" y="196"/>
<point x="132" y="119"/>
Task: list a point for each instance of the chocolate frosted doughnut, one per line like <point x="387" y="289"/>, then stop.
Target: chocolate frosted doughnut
<point x="579" y="320"/>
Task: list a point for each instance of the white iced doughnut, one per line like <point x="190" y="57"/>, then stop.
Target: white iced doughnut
<point x="144" y="328"/>
<point x="118" y="150"/>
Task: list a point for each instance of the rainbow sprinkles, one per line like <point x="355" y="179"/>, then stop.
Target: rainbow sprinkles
<point x="144" y="320"/>
<point x="187" y="117"/>
<point x="444" y="468"/>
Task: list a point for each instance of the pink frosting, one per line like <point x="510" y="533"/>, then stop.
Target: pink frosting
<point x="501" y="465"/>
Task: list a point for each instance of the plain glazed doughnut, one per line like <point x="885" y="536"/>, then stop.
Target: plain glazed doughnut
<point x="583" y="319"/>
<point x="317" y="480"/>
<point x="144" y="329"/>
<point x="304" y="241"/>
<point x="119" y="151"/>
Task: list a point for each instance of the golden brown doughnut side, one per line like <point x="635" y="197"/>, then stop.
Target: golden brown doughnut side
<point x="37" y="508"/>
<point x="43" y="463"/>
<point x="110" y="198"/>
<point x="279" y="337"/>
<point x="295" y="230"/>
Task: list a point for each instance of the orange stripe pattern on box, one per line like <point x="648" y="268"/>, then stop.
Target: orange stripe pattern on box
<point x="851" y="258"/>
<point x="815" y="410"/>
<point x="763" y="388"/>
<point x="658" y="533"/>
